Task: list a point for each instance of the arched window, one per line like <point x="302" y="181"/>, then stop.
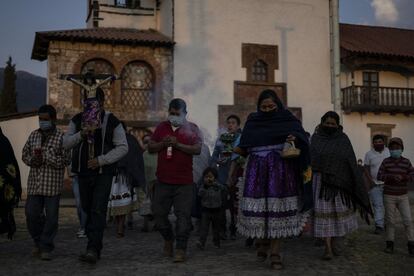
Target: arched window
<point x="138" y="86"/>
<point x="101" y="66"/>
<point x="259" y="72"/>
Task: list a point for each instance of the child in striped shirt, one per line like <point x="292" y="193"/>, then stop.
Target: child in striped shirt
<point x="396" y="172"/>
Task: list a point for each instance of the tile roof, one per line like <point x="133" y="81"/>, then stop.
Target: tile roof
<point x="373" y="40"/>
<point x="99" y="35"/>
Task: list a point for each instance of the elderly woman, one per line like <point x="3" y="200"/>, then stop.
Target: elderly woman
<point x="338" y="184"/>
<point x="277" y="194"/>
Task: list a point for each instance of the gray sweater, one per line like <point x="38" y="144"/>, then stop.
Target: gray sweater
<point x="213" y="196"/>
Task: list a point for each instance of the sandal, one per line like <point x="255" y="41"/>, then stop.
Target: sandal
<point x="276" y="262"/>
<point x="327" y="256"/>
<point x="261" y="256"/>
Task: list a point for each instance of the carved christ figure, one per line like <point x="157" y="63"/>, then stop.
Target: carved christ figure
<point x="91" y="116"/>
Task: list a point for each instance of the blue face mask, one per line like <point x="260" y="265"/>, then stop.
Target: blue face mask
<point x="396" y="153"/>
<point x="45" y="125"/>
<point x="176" y="121"/>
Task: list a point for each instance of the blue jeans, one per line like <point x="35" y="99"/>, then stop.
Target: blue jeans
<point x="81" y="214"/>
<point x="376" y="196"/>
<point x="42" y="215"/>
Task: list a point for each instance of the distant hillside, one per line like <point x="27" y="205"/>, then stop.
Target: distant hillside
<point x="31" y="90"/>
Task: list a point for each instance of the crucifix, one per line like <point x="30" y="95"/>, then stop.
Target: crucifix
<point x="91" y="116"/>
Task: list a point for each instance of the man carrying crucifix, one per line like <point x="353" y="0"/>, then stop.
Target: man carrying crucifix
<point x="95" y="168"/>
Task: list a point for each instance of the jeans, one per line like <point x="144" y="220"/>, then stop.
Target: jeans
<point x="376" y="196"/>
<point x="81" y="214"/>
<point x="94" y="194"/>
<point x="402" y="204"/>
<point x="177" y="196"/>
<point x="42" y="215"/>
<point x="210" y="216"/>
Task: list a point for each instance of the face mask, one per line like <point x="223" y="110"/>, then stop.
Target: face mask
<point x="45" y="125"/>
<point x="379" y="147"/>
<point x="176" y="121"/>
<point x="329" y="130"/>
<point x="396" y="153"/>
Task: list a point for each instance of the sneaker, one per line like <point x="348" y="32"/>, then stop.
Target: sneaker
<point x="90" y="257"/>
<point x="378" y="230"/>
<point x="81" y="234"/>
<point x="45" y="256"/>
<point x="179" y="256"/>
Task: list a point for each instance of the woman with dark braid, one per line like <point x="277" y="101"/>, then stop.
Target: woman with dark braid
<point x="276" y="196"/>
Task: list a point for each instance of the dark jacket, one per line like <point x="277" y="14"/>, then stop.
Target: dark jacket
<point x="110" y="145"/>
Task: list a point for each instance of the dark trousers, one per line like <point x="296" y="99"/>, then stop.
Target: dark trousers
<point x="210" y="217"/>
<point x="94" y="194"/>
<point x="42" y="215"/>
<point x="177" y="196"/>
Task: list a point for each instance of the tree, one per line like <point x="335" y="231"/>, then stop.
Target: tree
<point x="8" y="103"/>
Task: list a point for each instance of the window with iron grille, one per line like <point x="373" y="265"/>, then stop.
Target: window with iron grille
<point x="101" y="66"/>
<point x="259" y="72"/>
<point x="138" y="86"/>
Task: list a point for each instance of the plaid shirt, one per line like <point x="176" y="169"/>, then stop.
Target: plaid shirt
<point x="46" y="180"/>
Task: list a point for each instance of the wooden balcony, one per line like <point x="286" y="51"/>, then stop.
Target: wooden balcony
<point x="378" y="99"/>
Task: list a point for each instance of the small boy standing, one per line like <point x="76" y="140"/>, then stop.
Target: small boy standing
<point x="396" y="171"/>
<point x="212" y="196"/>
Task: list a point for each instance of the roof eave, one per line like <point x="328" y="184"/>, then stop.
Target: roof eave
<point x="39" y="52"/>
<point x="376" y="54"/>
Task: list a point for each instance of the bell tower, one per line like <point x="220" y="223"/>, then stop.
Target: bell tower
<point x="132" y="14"/>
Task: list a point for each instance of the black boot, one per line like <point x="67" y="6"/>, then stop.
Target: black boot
<point x="410" y="245"/>
<point x="389" y="247"/>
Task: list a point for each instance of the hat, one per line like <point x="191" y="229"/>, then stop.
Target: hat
<point x="396" y="140"/>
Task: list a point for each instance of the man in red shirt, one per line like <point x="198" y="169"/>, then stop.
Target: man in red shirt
<point x="175" y="141"/>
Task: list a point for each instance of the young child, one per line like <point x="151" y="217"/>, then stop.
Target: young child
<point x="212" y="195"/>
<point x="396" y="171"/>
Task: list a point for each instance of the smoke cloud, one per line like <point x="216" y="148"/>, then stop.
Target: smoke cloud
<point x="395" y="13"/>
<point x="385" y="11"/>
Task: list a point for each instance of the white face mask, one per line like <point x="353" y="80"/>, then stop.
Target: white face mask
<point x="176" y="121"/>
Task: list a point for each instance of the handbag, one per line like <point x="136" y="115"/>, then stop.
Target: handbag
<point x="290" y="151"/>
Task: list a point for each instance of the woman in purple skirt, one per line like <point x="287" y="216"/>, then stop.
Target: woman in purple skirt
<point x="338" y="184"/>
<point x="276" y="196"/>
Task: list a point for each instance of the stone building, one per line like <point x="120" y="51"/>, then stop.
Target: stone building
<point x="141" y="58"/>
<point x="212" y="53"/>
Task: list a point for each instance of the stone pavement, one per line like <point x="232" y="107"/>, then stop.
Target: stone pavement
<point x="140" y="254"/>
